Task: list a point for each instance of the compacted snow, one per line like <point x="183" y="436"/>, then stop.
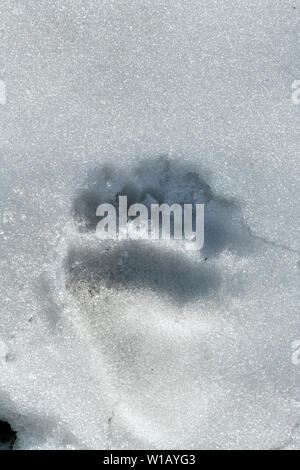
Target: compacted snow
<point x="142" y="344"/>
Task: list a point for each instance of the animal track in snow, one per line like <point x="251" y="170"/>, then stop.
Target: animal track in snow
<point x="133" y="264"/>
<point x="141" y="293"/>
<point x="164" y="181"/>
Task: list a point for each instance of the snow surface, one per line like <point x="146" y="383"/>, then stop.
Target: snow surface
<point x="139" y="345"/>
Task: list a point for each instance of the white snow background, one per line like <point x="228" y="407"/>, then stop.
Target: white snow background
<point x="137" y="345"/>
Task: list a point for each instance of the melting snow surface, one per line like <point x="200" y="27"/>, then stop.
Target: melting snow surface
<point x="136" y="344"/>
